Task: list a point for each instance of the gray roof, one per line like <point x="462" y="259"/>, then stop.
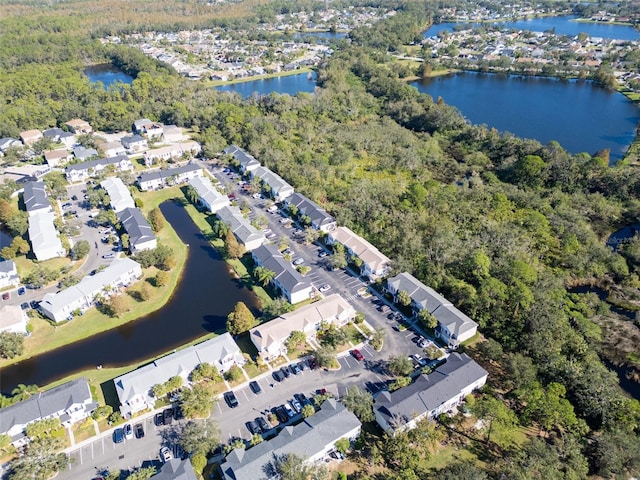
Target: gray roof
<point x="240" y="226"/>
<point x="246" y="159"/>
<point x="425" y="298"/>
<point x="136" y="225"/>
<point x="53" y="133"/>
<point x="35" y="196"/>
<point x="97" y="162"/>
<point x="169" y="172"/>
<point x="81" y="152"/>
<point x="269" y="257"/>
<point x="278" y="185"/>
<point x="119" y="195"/>
<point x="43" y="404"/>
<point x="456" y="322"/>
<point x="319" y="216"/>
<point x="7" y="266"/>
<point x="428" y="392"/>
<point x="176" y="469"/>
<point x="128" y="141"/>
<point x="6" y="142"/>
<point x="306" y="439"/>
<point x="208" y="193"/>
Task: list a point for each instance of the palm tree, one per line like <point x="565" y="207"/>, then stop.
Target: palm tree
<point x="22" y="391"/>
<point x="263" y="275"/>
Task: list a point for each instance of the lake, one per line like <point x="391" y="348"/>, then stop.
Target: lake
<point x="563" y="25"/>
<point x="289" y="84"/>
<point x="205" y="295"/>
<point x="581" y="116"/>
<point x="107" y="74"/>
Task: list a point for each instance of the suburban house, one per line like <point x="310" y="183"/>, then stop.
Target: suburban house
<point x="8" y="142"/>
<point x="314" y="439"/>
<point x="246" y="234"/>
<point x="119" y="195"/>
<point x="429" y="395"/>
<point x="208" y="196"/>
<point x="58" y="135"/>
<point x="140" y="126"/>
<point x="286" y="278"/>
<point x="171" y="176"/>
<point x="80" y="172"/>
<point x="113" y="149"/>
<point x="8" y="274"/>
<point x="79" y="126"/>
<point x="176" y="469"/>
<point x="13" y="319"/>
<point x="71" y="402"/>
<point x="134" y="389"/>
<point x="273" y="183"/>
<point x="269" y="338"/>
<point x="29" y="137"/>
<point x="175" y="151"/>
<point x="81" y="153"/>
<point x="172" y="133"/>
<point x="141" y="236"/>
<point x="56" y="157"/>
<point x="320" y="219"/>
<point x="247" y="162"/>
<point x="454" y="327"/>
<point x="134" y="143"/>
<point x="45" y="242"/>
<point x="119" y="274"/>
<point x="35" y="198"/>
<point x="374" y="263"/>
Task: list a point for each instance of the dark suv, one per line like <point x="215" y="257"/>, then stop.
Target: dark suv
<point x="231" y="399"/>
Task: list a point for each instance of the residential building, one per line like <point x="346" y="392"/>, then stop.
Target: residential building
<point x="81" y="153"/>
<point x="171" y="176"/>
<point x="8" y="142"/>
<point x="119" y="195"/>
<point x="58" y="135"/>
<point x="172" y="133"/>
<point x="80" y="172"/>
<point x="155" y="130"/>
<point x="320" y="219"/>
<point x="374" y="263"/>
<point x="45" y="242"/>
<point x="29" y="137"/>
<point x="35" y="198"/>
<point x="139" y="126"/>
<point x="13" y="319"/>
<point x="171" y="152"/>
<point x="141" y="236"/>
<point x="113" y="149"/>
<point x="8" y="274"/>
<point x="454" y="327"/>
<point x="208" y="196"/>
<point x="57" y="157"/>
<point x="247" y="162"/>
<point x="286" y="278"/>
<point x="176" y="469"/>
<point x="246" y="234"/>
<point x="27" y="173"/>
<point x="134" y="143"/>
<point x="270" y="337"/>
<point x="134" y="389"/>
<point x="71" y="402"/>
<point x="313" y="439"/>
<point x="429" y="395"/>
<point x="119" y="274"/>
<point x="78" y="126"/>
<point x="273" y="183"/>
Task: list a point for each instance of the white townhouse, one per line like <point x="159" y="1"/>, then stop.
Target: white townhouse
<point x="286" y="279"/>
<point x="113" y="149"/>
<point x="119" y="195"/>
<point x="13" y="319"/>
<point x="81" y="153"/>
<point x="374" y="263"/>
<point x="429" y="395"/>
<point x="71" y="402"/>
<point x="45" y="242"/>
<point x="80" y="172"/>
<point x="273" y="184"/>
<point x="141" y="235"/>
<point x="208" y="196"/>
<point x="320" y="219"/>
<point x="134" y="389"/>
<point x="171" y="176"/>
<point x="246" y="234"/>
<point x="121" y="273"/>
<point x="35" y="198"/>
<point x="270" y="337"/>
<point x="175" y="151"/>
<point x="134" y="143"/>
<point x="247" y="162"/>
<point x="8" y="274"/>
<point x="58" y="135"/>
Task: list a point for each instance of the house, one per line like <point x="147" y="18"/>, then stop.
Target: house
<point x="246" y="234"/>
<point x="57" y="157"/>
<point x="113" y="149"/>
<point x="80" y="172"/>
<point x="154" y="130"/>
<point x="171" y="176"/>
<point x="208" y="196"/>
<point x="134" y="143"/>
<point x="81" y="153"/>
<point x="35" y="198"/>
<point x="171" y="133"/>
<point x="176" y="469"/>
<point x="134" y="389"/>
<point x="270" y="337"/>
<point x="272" y="183"/>
<point x="140" y="126"/>
<point x="429" y="395"/>
<point x="286" y="278"/>
<point x="374" y="263"/>
<point x="43" y="236"/>
<point x="8" y="142"/>
<point x="454" y="327"/>
<point x="119" y="195"/>
<point x="119" y="274"/>
<point x="8" y="274"/>
<point x="13" y="319"/>
<point x="175" y="151"/>
<point x="71" y="402"/>
<point x="58" y="135"/>
<point x="246" y="161"/>
<point x="320" y="219"/>
<point x="26" y="173"/>
<point x="313" y="439"/>
<point x="29" y="137"/>
<point x="141" y="236"/>
<point x="78" y="126"/>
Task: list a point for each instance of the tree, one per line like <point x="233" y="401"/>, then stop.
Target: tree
<point x="343" y="445"/>
<point x="377" y="338"/>
<point x="40" y="461"/>
<point x="196" y="401"/>
<point x="233" y="374"/>
<point x="400" y="365"/>
<point x="156" y="219"/>
<point x="80" y="250"/>
<point x="199" y="461"/>
<point x="308" y="410"/>
<point x="501" y="421"/>
<point x="429" y="321"/>
<point x="325" y="357"/>
<point x="240" y="320"/>
<point x="333" y="337"/>
<point x="360" y="402"/>
<point x="20" y="246"/>
<point x="263" y="275"/>
<point x="142" y="473"/>
<point x="400" y="382"/>
<point x="290" y="466"/>
<point x="255" y="439"/>
<point x="118" y="305"/>
<point x="231" y="245"/>
<point x="162" y="278"/>
<point x="205" y="371"/>
<point x="124" y="238"/>
<point x="144" y="292"/>
<point x="43" y="428"/>
<point x="22" y="392"/>
<point x="276" y="307"/>
<point x="11" y="344"/>
<point x="199" y="437"/>
<point x="296" y="339"/>
<point x="404" y="298"/>
<point x="461" y="470"/>
<point x="5" y="441"/>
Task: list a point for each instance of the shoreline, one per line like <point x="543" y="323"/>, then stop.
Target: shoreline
<point x="221" y="83"/>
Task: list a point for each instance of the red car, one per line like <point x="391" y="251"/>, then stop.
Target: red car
<point x="356" y="354"/>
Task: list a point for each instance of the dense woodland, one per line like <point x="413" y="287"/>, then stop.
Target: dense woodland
<point x="506" y="228"/>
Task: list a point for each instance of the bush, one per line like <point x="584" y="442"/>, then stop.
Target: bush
<point x="199" y="461"/>
<point x="103" y="411"/>
<point x="233" y="374"/>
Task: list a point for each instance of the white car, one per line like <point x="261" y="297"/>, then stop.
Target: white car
<point x="298" y="261"/>
<point x="324" y="288"/>
<point x="165" y="454"/>
<point x="296" y="405"/>
<point x="289" y="410"/>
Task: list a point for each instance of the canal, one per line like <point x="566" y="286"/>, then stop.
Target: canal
<point x="205" y="295"/>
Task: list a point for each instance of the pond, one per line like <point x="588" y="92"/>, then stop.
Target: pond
<point x="288" y="84"/>
<point x="205" y="295"/>
<point x="107" y="74"/>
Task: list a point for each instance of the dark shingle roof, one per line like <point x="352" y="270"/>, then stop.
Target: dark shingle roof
<point x="35" y="196"/>
<point x="176" y="469"/>
<point x="286" y="275"/>
<point x="136" y="225"/>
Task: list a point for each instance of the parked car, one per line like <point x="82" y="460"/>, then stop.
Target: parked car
<point x="158" y="420"/>
<point x="24" y="306"/>
<point x="231" y="399"/>
<point x="357" y="355"/>
<point x="74" y="198"/>
<point x="289" y="410"/>
<point x="278" y="376"/>
<point x="255" y="387"/>
<point x="167" y="416"/>
<point x="252" y="427"/>
<point x="295" y="369"/>
<point x="296" y="405"/>
<point x="118" y="435"/>
<point x="128" y="431"/>
<point x="22" y="291"/>
<point x="165" y="454"/>
<point x="282" y="415"/>
<point x="302" y="398"/>
<point x="263" y="424"/>
<point x="139" y="430"/>
<point x="285" y="371"/>
<point x="324" y="288"/>
<point x="298" y="261"/>
<point x="418" y="360"/>
<point x="5" y="296"/>
<point x="109" y="255"/>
